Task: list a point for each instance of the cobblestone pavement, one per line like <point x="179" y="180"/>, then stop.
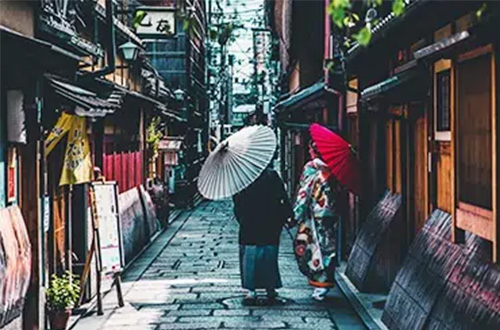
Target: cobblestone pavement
<point x="190" y="280"/>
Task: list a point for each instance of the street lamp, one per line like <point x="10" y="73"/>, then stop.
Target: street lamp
<point x="179" y="94"/>
<point x="130" y="51"/>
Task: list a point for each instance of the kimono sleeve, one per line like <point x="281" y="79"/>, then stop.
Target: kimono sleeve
<point x="323" y="201"/>
<point x="285" y="208"/>
<point x="237" y="207"/>
<point x="303" y="199"/>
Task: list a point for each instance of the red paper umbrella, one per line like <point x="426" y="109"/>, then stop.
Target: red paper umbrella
<point x="339" y="156"/>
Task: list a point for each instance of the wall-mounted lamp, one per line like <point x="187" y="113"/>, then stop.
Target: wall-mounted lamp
<point x="130" y="51"/>
<point x="179" y="94"/>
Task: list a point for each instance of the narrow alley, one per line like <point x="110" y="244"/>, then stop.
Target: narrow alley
<point x="189" y="279"/>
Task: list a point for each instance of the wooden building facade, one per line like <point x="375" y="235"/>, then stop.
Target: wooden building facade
<point x="422" y="109"/>
<point x="178" y="55"/>
<point x="420" y="105"/>
<point x="307" y="92"/>
<point x="65" y="57"/>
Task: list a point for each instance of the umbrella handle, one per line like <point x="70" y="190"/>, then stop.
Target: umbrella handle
<point x="224" y="146"/>
<point x="353" y="149"/>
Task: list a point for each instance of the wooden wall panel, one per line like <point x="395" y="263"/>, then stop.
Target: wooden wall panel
<point x="420" y="168"/>
<point x="444" y="167"/>
<point x="59" y="231"/>
<point x="389" y="155"/>
<point x="398" y="158"/>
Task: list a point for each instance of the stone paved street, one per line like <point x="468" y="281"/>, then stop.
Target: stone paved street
<point x="189" y="279"/>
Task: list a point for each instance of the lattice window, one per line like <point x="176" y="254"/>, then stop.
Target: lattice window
<point x="474" y="145"/>
<point x="443" y="97"/>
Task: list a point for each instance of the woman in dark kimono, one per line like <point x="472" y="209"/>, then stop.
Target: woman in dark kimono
<point x="261" y="210"/>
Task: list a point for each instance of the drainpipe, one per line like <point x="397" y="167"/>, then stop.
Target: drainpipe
<point x="111" y="52"/>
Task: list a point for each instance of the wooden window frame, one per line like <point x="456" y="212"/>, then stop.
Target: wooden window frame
<point x="394" y="155"/>
<point x="439" y="67"/>
<point x="466" y="217"/>
<point x="352" y="97"/>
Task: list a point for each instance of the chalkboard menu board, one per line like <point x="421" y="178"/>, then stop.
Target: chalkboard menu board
<point x="105" y="211"/>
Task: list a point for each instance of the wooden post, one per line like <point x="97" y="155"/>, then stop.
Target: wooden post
<point x="32" y="181"/>
<point x="118" y="284"/>
<point x="457" y="235"/>
<point x="69" y="226"/>
<point x="494" y="133"/>
<point x="86" y="272"/>
<point x="97" y="249"/>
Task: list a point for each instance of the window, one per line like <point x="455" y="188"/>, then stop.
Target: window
<point x="393" y="156"/>
<point x="443" y="96"/>
<point x="474" y="134"/>
<point x="443" y="120"/>
<point x="352" y="97"/>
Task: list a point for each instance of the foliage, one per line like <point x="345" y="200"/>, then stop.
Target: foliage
<point x="480" y="11"/>
<point x="63" y="291"/>
<point x="398" y="7"/>
<point x="226" y="32"/>
<point x="154" y="135"/>
<point x="348" y="21"/>
<point x="140" y="15"/>
<point x="364" y="36"/>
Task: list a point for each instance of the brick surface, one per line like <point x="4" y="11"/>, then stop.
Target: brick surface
<point x="192" y="282"/>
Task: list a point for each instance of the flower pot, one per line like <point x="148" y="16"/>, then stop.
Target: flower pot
<point x="59" y="319"/>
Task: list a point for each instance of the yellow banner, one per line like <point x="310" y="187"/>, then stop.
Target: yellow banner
<point x="60" y="129"/>
<point x="77" y="167"/>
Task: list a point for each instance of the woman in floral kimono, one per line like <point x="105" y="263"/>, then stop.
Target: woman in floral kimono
<point x="314" y="211"/>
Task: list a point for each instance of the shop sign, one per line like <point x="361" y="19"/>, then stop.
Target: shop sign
<point x="46" y="213"/>
<point x="11" y="185"/>
<point x="16" y="117"/>
<point x="156" y="22"/>
<point x="12" y="176"/>
<point x="171" y="158"/>
<point x="105" y="209"/>
<point x="58" y="18"/>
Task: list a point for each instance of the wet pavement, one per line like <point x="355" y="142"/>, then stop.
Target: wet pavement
<point x="189" y="279"/>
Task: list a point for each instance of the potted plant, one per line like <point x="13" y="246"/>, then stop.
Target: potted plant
<point x="62" y="295"/>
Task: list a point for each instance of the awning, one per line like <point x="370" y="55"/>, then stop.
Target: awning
<point x="88" y="104"/>
<point x="308" y="98"/>
<point x="438" y="48"/>
<point x="388" y="85"/>
<point x="158" y="106"/>
<point x="37" y="48"/>
<point x="170" y="143"/>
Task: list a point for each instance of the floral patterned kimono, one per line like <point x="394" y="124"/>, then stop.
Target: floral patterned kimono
<point x="314" y="210"/>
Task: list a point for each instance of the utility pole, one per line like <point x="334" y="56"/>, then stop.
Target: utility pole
<point x="208" y="68"/>
<point x="222" y="104"/>
<point x="255" y="77"/>
<point x="229" y="104"/>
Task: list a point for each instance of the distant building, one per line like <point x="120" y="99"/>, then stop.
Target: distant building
<point x="240" y="114"/>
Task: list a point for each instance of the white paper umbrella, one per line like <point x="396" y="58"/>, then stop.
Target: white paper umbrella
<point x="237" y="162"/>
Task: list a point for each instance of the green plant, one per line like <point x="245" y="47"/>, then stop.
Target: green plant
<point x="153" y="136"/>
<point x="63" y="291"/>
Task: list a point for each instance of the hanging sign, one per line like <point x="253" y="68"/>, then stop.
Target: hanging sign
<point x="58" y="18"/>
<point x="156" y="21"/>
<point x="12" y="176"/>
<point x="60" y="129"/>
<point x="16" y="117"/>
<point x="77" y="166"/>
<point x="46" y="213"/>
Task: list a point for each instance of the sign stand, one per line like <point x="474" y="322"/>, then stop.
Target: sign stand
<point x="96" y="249"/>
